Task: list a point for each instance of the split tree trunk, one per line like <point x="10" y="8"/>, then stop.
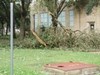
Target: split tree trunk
<point x="54" y="22"/>
<point x="39" y="39"/>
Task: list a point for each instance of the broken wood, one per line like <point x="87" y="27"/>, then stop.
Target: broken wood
<point x="38" y="38"/>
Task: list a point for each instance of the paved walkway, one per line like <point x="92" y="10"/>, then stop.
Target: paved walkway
<point x="95" y="52"/>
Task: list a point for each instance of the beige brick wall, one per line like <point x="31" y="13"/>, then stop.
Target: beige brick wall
<point x="82" y="19"/>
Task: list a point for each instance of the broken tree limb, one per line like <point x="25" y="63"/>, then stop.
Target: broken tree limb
<point x="39" y="39"/>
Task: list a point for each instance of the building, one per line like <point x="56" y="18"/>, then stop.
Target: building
<point x="85" y="22"/>
<point x="70" y="18"/>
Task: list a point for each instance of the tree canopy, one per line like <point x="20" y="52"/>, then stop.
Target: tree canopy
<point x="91" y="4"/>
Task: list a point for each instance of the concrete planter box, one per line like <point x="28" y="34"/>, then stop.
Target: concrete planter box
<point x="71" y="68"/>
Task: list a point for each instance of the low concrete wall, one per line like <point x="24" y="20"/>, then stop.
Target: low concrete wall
<point x="88" y="70"/>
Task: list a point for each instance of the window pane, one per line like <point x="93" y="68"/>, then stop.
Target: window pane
<point x="44" y="19"/>
<point x="36" y="16"/>
<point x="62" y="18"/>
<point x="36" y="20"/>
<point x="71" y="12"/>
<point x="71" y="17"/>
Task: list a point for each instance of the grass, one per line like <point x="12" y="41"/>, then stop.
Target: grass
<point x="31" y="61"/>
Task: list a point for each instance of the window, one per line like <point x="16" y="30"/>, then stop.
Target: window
<point x="44" y="19"/>
<point x="62" y="18"/>
<point x="71" y="17"/>
<point x="36" y="20"/>
<point x="91" y="25"/>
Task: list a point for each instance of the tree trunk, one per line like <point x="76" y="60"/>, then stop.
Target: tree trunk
<point x="7" y="28"/>
<point x="2" y="29"/>
<point x="22" y="22"/>
<point x="14" y="33"/>
<point x="55" y="24"/>
<point x="22" y="28"/>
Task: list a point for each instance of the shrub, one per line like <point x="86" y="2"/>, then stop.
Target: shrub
<point x="71" y="39"/>
<point x="25" y="43"/>
<point x="90" y="40"/>
<point x="60" y="39"/>
<point x="4" y="41"/>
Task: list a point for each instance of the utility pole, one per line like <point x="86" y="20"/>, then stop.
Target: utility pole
<point x="11" y="39"/>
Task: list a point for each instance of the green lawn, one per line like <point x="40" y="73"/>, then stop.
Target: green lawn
<point x="31" y="61"/>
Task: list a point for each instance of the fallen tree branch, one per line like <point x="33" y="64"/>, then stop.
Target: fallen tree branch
<point x="38" y="38"/>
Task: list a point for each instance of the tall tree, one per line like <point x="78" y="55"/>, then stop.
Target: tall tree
<point x="5" y="15"/>
<point x="5" y="12"/>
<point x="24" y="11"/>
